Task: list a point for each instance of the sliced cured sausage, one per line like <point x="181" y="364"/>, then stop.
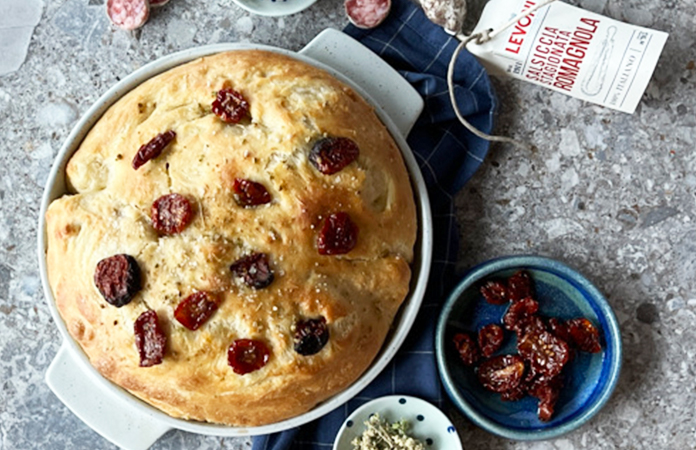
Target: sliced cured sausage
<point x="171" y="213"/>
<point x="311" y="335"/>
<point x="449" y="14"/>
<point x="118" y="279"/>
<point x="254" y="270"/>
<point x="150" y="339"/>
<point x="128" y="14"/>
<point x="249" y="193"/>
<point x="367" y="13"/>
<point x="331" y="154"/>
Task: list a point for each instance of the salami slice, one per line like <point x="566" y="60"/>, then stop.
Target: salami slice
<point x="171" y="214"/>
<point x="118" y="279"/>
<point x="128" y="14"/>
<point x="367" y="13"/>
<point x="150" y="339"/>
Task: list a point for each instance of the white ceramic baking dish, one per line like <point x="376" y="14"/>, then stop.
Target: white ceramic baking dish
<point x="132" y="424"/>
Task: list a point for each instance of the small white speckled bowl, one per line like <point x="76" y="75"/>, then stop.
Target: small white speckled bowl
<point x="426" y="422"/>
<point x="132" y="424"/>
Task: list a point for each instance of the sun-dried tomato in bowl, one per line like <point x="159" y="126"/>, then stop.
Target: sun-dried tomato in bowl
<point x="545" y="345"/>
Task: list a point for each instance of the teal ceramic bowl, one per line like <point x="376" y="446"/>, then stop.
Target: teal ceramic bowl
<point x="562" y="292"/>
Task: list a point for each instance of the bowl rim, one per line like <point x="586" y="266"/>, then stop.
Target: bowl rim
<point x="274" y="8"/>
<point x="402" y="324"/>
<point x="612" y="334"/>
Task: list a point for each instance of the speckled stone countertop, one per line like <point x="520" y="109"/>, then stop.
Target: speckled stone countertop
<point x="609" y="193"/>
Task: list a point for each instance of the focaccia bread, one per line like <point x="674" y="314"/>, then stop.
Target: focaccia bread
<point x="288" y="328"/>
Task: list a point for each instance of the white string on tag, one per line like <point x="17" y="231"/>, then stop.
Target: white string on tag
<point x="480" y="38"/>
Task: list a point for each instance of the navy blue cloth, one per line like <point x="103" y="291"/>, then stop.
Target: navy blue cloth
<point x="448" y="156"/>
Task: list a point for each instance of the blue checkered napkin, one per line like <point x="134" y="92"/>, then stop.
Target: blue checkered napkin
<point x="448" y="156"/>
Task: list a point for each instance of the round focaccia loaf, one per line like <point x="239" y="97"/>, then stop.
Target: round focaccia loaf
<point x="108" y="212"/>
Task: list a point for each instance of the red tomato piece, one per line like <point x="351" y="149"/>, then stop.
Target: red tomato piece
<point x="495" y="292"/>
<point x="230" y="106"/>
<point x="490" y="338"/>
<point x="519" y="311"/>
<point x="502" y="373"/>
<point x="520" y="286"/>
<point x="466" y="346"/>
<point x="247" y="355"/>
<point x="546" y="353"/>
<point x="195" y="310"/>
<point x="153" y="148"/>
<point x="584" y="335"/>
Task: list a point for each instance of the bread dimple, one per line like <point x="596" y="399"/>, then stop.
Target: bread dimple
<point x="292" y="105"/>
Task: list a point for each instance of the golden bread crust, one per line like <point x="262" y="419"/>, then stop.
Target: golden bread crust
<point x="107" y="212"/>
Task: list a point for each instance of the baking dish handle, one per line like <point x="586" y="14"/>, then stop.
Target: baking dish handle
<point x="125" y="426"/>
<point x="384" y="85"/>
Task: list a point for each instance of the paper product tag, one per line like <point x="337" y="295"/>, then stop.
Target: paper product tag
<point x="571" y="50"/>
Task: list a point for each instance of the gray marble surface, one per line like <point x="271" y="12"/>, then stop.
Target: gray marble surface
<point x="609" y="193"/>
